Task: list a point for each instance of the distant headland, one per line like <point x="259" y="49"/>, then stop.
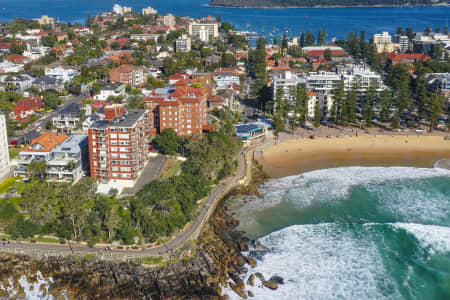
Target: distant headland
<point x="323" y="3"/>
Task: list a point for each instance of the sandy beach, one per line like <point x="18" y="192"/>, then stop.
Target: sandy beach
<point x="301" y="154"/>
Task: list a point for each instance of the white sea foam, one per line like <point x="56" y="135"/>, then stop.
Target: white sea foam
<point x="332" y="184"/>
<point x="36" y="289"/>
<point x="324" y="261"/>
<point x="436" y="239"/>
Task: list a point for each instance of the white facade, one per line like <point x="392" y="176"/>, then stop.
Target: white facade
<point x="36" y="53"/>
<point x="287" y="81"/>
<point x="10" y="67"/>
<point x="169" y="20"/>
<point x="183" y="44"/>
<point x="149" y="11"/>
<point x="4" y="153"/>
<point x="362" y="75"/>
<point x="201" y="29"/>
<point x="322" y="82"/>
<point x="121" y="10"/>
<point x="61" y="74"/>
<point x="226" y="80"/>
<point x="325" y="101"/>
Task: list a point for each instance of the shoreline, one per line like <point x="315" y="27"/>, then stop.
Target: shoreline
<point x="298" y="155"/>
<point x="327" y="6"/>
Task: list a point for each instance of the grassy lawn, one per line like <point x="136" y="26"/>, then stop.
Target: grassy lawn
<point x="151" y="260"/>
<point x="5" y="185"/>
<point x="13" y="152"/>
<point x="171" y="168"/>
<point x="37" y="239"/>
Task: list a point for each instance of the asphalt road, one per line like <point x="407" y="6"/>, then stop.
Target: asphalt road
<point x="205" y="212"/>
<point x="41" y="123"/>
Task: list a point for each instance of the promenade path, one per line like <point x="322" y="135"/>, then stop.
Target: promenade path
<point x="190" y="233"/>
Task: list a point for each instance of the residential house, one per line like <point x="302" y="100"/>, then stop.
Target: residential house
<point x="16" y="83"/>
<point x="226" y="80"/>
<point x="10" y="67"/>
<point x="111" y="90"/>
<point x="66" y="156"/>
<point x="61" y="74"/>
<point x="45" y="83"/>
<point x="68" y="119"/>
<point x="17" y="59"/>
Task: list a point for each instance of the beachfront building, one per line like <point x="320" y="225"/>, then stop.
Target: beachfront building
<point x="4" y="154"/>
<point x="66" y="156"/>
<point x="287" y="82"/>
<point x="325" y="102"/>
<point x="185" y="111"/>
<point x="363" y="76"/>
<point x="254" y="130"/>
<point x="322" y="82"/>
<point x="118" y="144"/>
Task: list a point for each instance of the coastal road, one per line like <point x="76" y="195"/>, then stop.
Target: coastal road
<point x="191" y="232"/>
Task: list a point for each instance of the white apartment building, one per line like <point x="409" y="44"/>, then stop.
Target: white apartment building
<point x="362" y="75"/>
<point x="325" y="102"/>
<point x="204" y="30"/>
<point x="147" y="11"/>
<point x="121" y="10"/>
<point x="225" y="80"/>
<point x="169" y="20"/>
<point x="322" y="82"/>
<point x="288" y="82"/>
<point x="4" y="154"/>
<point x="384" y="44"/>
<point x="61" y="74"/>
<point x="183" y="44"/>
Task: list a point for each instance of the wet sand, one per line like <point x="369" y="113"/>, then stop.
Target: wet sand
<point x="301" y="155"/>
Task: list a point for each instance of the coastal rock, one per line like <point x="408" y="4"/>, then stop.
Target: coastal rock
<point x="270" y="285"/>
<point x="250" y="294"/>
<point x="260" y="276"/>
<point x="277" y="279"/>
<point x="238" y="290"/>
<point x="251" y="279"/>
<point x="251" y="262"/>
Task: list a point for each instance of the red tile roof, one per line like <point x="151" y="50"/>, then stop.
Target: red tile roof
<point x="48" y="140"/>
<point x="408" y="56"/>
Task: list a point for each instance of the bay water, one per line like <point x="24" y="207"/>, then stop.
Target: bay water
<point x="352" y="233"/>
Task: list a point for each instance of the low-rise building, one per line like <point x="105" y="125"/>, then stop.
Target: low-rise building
<point x="68" y="119"/>
<point x="10" y="67"/>
<point x="66" y="156"/>
<point x="226" y="80"/>
<point x="61" y="74"/>
<point x="128" y="75"/>
<point x="16" y="83"/>
<point x="111" y="90"/>
<point x="118" y="144"/>
<point x="45" y="83"/>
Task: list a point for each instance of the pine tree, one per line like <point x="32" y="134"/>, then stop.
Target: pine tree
<point x="352" y="102"/>
<point x="301" y="105"/>
<point x="436" y="110"/>
<point x="302" y="40"/>
<point x="369" y="101"/>
<point x="321" y="37"/>
<point x="309" y="39"/>
<point x="338" y="103"/>
<point x="386" y="102"/>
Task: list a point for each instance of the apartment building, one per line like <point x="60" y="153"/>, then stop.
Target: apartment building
<point x="66" y="156"/>
<point x="403" y="42"/>
<point x="147" y="11"/>
<point x="325" y="101"/>
<point x="288" y="82"/>
<point x="127" y="74"/>
<point x="4" y="154"/>
<point x="204" y="30"/>
<point x="322" y="82"/>
<point x="360" y="75"/>
<point x="384" y="44"/>
<point x="118" y="144"/>
<point x="169" y="20"/>
<point x="185" y="111"/>
<point x="183" y="44"/>
<point x="45" y="20"/>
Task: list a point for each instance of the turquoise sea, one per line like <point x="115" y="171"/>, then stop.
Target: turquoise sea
<point x="353" y="233"/>
<point x="338" y="21"/>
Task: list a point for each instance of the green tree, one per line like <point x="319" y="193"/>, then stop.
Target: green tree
<point x="436" y="110"/>
<point x="168" y="142"/>
<point x="386" y="102"/>
<point x="309" y="38"/>
<point x="317" y="114"/>
<point x="301" y="104"/>
<point x="321" y="37"/>
<point x="37" y="170"/>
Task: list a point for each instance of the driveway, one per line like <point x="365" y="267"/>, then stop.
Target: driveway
<point x="150" y="173"/>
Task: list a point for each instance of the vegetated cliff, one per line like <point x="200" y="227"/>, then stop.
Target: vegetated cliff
<point x="215" y="263"/>
<point x="318" y="3"/>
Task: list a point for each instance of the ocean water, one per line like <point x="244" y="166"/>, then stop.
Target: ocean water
<point x="352" y="233"/>
<point x="338" y="21"/>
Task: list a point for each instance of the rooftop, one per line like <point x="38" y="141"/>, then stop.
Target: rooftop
<point x="46" y="142"/>
<point x="128" y="120"/>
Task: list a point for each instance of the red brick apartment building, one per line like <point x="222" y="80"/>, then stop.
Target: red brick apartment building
<point x="185" y="111"/>
<point x="128" y="74"/>
<point x="117" y="144"/>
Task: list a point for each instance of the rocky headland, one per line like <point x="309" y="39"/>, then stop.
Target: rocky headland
<point x="215" y="263"/>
